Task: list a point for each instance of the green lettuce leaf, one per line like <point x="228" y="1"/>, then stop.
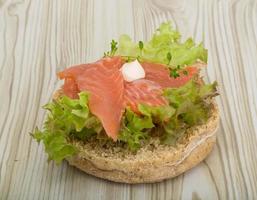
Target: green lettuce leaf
<point x="157" y="113"/>
<point x="189" y="105"/>
<point x="136" y="128"/>
<point x="164" y="47"/>
<point x="192" y="104"/>
<point x="67" y="118"/>
<point x="56" y="145"/>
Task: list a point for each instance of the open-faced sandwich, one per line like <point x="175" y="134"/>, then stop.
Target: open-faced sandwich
<point x="142" y="113"/>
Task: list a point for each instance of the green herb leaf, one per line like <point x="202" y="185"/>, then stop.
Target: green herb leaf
<point x="174" y="73"/>
<point x="185" y="72"/>
<point x="113" y="47"/>
<point x="141" y="45"/>
<point x="169" y="57"/>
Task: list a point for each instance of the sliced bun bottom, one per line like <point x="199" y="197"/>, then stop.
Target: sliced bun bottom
<point x="153" y="162"/>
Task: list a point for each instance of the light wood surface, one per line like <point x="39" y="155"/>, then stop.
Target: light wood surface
<point x="39" y="38"/>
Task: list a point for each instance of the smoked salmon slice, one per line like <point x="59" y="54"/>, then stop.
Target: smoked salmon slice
<point x="73" y="72"/>
<point x="143" y="92"/>
<point x="110" y="94"/>
<point x="160" y="74"/>
<point x="70" y="88"/>
<point x="105" y="84"/>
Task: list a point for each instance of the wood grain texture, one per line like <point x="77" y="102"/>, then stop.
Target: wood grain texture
<point x="39" y="38"/>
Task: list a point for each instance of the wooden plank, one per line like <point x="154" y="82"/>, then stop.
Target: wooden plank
<point x="39" y="38"/>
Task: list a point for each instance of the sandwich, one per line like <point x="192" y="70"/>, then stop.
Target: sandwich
<point x="142" y="113"/>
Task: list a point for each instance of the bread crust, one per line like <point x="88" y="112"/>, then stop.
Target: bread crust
<point x="149" y="164"/>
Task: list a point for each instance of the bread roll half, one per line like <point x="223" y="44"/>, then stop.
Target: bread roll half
<point x="154" y="162"/>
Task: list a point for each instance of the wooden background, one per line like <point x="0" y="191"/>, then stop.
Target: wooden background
<point x="39" y="38"/>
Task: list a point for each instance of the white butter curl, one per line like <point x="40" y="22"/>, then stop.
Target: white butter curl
<point x="132" y="71"/>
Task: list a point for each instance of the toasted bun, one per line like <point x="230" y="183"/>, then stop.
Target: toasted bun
<point x="154" y="162"/>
